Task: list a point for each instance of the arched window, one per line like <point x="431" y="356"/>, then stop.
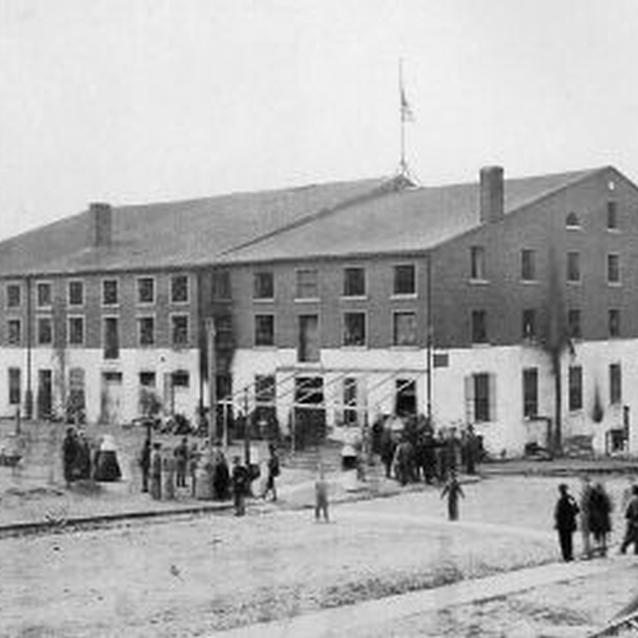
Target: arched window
<point x="572" y="221"/>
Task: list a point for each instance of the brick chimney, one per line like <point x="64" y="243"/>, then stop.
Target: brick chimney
<point x="492" y="208"/>
<point x="100" y="224"/>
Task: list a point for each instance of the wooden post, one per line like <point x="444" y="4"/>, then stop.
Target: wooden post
<point x="212" y="378"/>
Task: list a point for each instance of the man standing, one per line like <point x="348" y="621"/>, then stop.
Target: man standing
<point x="240" y="486"/>
<point x="145" y="462"/>
<point x="69" y="455"/>
<point x="273" y="473"/>
<point x="565" y="521"/>
<point x="631" y="514"/>
<point x="156" y="472"/>
<point x="181" y="459"/>
<point x="585" y="506"/>
<point x="471" y="450"/>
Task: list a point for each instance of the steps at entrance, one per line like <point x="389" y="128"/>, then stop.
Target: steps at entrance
<point x="308" y="458"/>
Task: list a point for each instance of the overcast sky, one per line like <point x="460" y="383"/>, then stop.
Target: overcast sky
<point x="131" y="101"/>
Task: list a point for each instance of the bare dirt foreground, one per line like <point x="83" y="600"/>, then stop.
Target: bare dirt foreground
<point x="194" y="577"/>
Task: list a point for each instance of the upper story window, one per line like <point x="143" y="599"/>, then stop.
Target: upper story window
<point x="109" y="292"/>
<point x="264" y="330"/>
<point x="45" y="331"/>
<point x="43" y="294"/>
<point x="477" y="263"/>
<point x="404" y="280"/>
<point x="574" y="323"/>
<point x="111" y="338"/>
<point x="354" y="329"/>
<point x="14" y="295"/>
<point x="76" y="293"/>
<point x="404" y="328"/>
<point x="612" y="216"/>
<point x="307" y="283"/>
<point x="575" y="388"/>
<point x="354" y="282"/>
<point x="613" y="269"/>
<point x="263" y="285"/>
<point x="613" y="320"/>
<point x="145" y="290"/>
<point x="615" y="383"/>
<point x="220" y="285"/>
<point x="146" y="331"/>
<point x="529" y="323"/>
<point x="179" y="288"/>
<point x="573" y="267"/>
<point x="530" y="392"/>
<point x="572" y="221"/>
<point x="76" y="331"/>
<point x="479" y="326"/>
<point x="179" y="330"/>
<point x="14" y="332"/>
<point x="528" y="265"/>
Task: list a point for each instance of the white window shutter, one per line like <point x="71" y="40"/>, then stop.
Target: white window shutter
<point x="469" y="399"/>
<point x="492" y="397"/>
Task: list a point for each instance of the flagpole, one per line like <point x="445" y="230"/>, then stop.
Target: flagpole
<point x="402" y="165"/>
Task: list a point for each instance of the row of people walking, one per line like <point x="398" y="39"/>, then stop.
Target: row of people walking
<point x="592" y="513"/>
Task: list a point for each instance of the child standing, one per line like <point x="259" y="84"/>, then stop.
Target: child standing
<point x="321" y="495"/>
<point x="453" y="490"/>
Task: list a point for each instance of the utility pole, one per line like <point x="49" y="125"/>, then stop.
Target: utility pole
<point x="212" y="379"/>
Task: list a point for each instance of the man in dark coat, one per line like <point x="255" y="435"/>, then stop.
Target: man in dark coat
<point x="181" y="461"/>
<point x="240" y="486"/>
<point x="471" y="450"/>
<point x="387" y="450"/>
<point x="631" y="515"/>
<point x="565" y="521"/>
<point x="145" y="462"/>
<point x="273" y="473"/>
<point x="599" y="517"/>
<point x="69" y="455"/>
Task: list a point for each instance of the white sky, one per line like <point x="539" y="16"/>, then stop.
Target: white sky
<point x="148" y="100"/>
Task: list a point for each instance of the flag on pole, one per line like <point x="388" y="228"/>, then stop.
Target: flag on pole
<point x="407" y="115"/>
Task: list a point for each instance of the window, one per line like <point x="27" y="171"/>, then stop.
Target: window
<point x="479" y="326"/>
<point x="528" y="265"/>
<point x="220" y="284"/>
<point x="354" y="282"/>
<point x="477" y="263"/>
<point x="573" y="266"/>
<point x="349" y="401"/>
<point x="43" y="294"/>
<point x="44" y="331"/>
<point x="146" y="290"/>
<point x="354" y="329"/>
<point x="572" y="221"/>
<point x="111" y="338"/>
<point x="529" y="323"/>
<point x="614" y="322"/>
<point x="147" y="379"/>
<point x="264" y="330"/>
<point x="179" y="289"/>
<point x="307" y="284"/>
<point x="309" y="348"/>
<point x="480" y="397"/>
<point x="14" y="295"/>
<point x="574" y="323"/>
<point x="76" y="331"/>
<point x="224" y="336"/>
<point x="109" y="292"/>
<point x="180" y="379"/>
<point x="76" y="293"/>
<point x="405" y="403"/>
<point x="612" y="216"/>
<point x="575" y="388"/>
<point x="613" y="269"/>
<point x="530" y="392"/>
<point x="263" y="285"/>
<point x="404" y="280"/>
<point x="615" y="383"/>
<point x="14" y="386"/>
<point x="265" y="389"/>
<point x="179" y="330"/>
<point x="14" y="332"/>
<point x="404" y="328"/>
<point x="146" y="331"/>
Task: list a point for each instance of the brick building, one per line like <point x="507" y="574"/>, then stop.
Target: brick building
<point x="321" y="299"/>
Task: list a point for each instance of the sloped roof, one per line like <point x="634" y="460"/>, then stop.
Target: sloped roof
<point x="409" y="220"/>
<point x="342" y="218"/>
<point x="173" y="233"/>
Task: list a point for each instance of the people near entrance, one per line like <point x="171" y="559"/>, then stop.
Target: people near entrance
<point x="83" y="458"/>
<point x="585" y="499"/>
<point x="145" y="462"/>
<point x="599" y="518"/>
<point x="107" y="467"/>
<point x="156" y="471"/>
<point x="631" y="516"/>
<point x="321" y="495"/>
<point x="169" y="465"/>
<point x="273" y="473"/>
<point x="427" y="455"/>
<point x="221" y="476"/>
<point x="565" y="514"/>
<point x="181" y="462"/>
<point x="387" y="449"/>
<point x="404" y="462"/>
<point x="452" y="489"/>
<point x="69" y="455"/>
<point x="240" y="486"/>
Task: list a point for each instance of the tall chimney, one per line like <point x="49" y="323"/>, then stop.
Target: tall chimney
<point x="100" y="224"/>
<point x="492" y="208"/>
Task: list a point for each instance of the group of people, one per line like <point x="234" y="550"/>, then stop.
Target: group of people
<point x="82" y="460"/>
<point x="593" y="513"/>
<point x="165" y="469"/>
<point x="419" y="453"/>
